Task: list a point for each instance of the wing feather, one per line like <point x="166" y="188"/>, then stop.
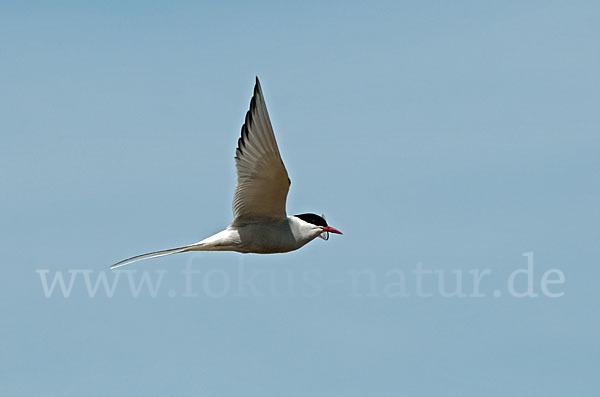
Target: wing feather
<point x="262" y="180"/>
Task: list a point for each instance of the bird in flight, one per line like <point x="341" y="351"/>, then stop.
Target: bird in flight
<point x="260" y="224"/>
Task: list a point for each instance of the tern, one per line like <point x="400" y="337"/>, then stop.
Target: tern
<point x="260" y="224"/>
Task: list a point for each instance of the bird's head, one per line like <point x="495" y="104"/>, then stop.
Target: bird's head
<point x="320" y="224"/>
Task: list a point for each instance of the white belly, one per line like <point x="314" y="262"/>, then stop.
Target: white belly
<point x="261" y="237"/>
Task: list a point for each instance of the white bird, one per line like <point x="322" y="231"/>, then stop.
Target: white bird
<point x="260" y="223"/>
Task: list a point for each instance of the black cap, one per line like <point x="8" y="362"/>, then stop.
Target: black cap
<point x="312" y="218"/>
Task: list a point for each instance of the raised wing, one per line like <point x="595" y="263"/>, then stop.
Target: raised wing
<point x="262" y="180"/>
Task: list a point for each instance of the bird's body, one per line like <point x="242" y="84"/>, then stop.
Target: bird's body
<point x="260" y="223"/>
<point x="265" y="237"/>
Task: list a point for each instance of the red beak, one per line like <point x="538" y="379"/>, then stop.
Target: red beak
<point x="330" y="230"/>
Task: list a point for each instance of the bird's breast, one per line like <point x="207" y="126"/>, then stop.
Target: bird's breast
<point x="270" y="237"/>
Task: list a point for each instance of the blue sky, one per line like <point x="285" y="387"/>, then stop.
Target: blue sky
<point x="457" y="136"/>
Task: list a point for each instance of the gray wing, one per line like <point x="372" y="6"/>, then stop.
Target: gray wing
<point x="262" y="180"/>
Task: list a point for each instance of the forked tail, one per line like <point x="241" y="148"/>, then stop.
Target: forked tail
<point x="222" y="241"/>
<point x="152" y="255"/>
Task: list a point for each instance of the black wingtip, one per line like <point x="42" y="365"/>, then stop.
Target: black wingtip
<point x="257" y="86"/>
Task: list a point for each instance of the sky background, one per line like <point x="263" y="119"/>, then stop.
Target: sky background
<point x="458" y="135"/>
